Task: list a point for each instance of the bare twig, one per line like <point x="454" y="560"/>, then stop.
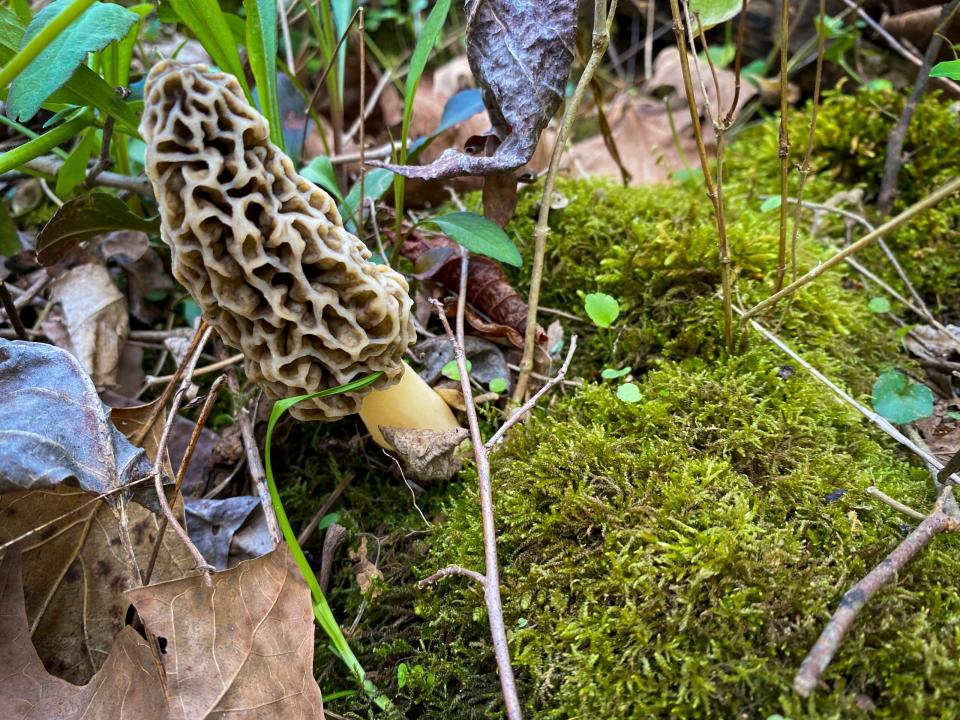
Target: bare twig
<point x="898" y="136"/>
<point x="205" y="370"/>
<point x="104" y="161"/>
<point x="602" y="22"/>
<point x="363" y="121"/>
<point x="712" y="189"/>
<point x="531" y="403"/>
<point x="49" y="165"/>
<point x="189" y="362"/>
<point x="490" y="580"/>
<point x="332" y="539"/>
<point x="737" y="62"/>
<point x="12" y="313"/>
<point x="784" y="147"/>
<point x="254" y="463"/>
<point x="324" y="509"/>
<point x="182" y="470"/>
<point x="945" y="191"/>
<point x="453" y="570"/>
<point x="857" y="596"/>
<point x="877" y="493"/>
<point x="27" y="295"/>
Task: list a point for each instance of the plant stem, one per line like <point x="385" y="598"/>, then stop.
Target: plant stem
<point x="784" y="148"/>
<point x="945" y="191"/>
<point x="712" y="192"/>
<point x="602" y="22"/>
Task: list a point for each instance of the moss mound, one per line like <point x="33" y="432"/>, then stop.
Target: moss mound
<point x="678" y="557"/>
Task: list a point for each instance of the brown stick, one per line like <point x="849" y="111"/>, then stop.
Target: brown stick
<point x="784" y="147"/>
<point x="12" y="313"/>
<point x="254" y="463"/>
<point x="892" y="224"/>
<point x="602" y="21"/>
<point x="490" y="580"/>
<point x="898" y="136"/>
<point x="182" y="470"/>
<point x="857" y="596"/>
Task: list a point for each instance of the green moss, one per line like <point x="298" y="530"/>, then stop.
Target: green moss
<point x="678" y="557"/>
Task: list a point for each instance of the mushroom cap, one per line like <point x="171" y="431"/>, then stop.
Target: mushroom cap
<point x="263" y="251"/>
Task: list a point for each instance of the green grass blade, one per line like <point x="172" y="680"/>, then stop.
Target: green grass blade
<point x="262" y="50"/>
<point x="205" y="19"/>
<point x="44" y="143"/>
<point x="321" y="609"/>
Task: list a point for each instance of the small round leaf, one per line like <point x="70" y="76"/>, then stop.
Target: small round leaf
<point x="602" y="309"/>
<point x="899" y="400"/>
<point x="629" y="392"/>
<point x="879" y="305"/>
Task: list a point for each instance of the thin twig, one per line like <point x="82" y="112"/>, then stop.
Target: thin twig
<point x="602" y="22"/>
<point x="254" y="463"/>
<point x="857" y="596"/>
<point x="104" y="161"/>
<point x="205" y="370"/>
<point x="285" y="32"/>
<point x="27" y="296"/>
<point x="188" y="364"/>
<point x="363" y="122"/>
<point x="898" y="136"/>
<point x="877" y="493"/>
<point x="531" y="403"/>
<point x="945" y="191"/>
<point x="324" y="509"/>
<point x="208" y="404"/>
<point x="453" y="570"/>
<point x="712" y="190"/>
<point x="737" y="61"/>
<point x="12" y="313"/>
<point x="784" y="148"/>
<point x="490" y="580"/>
<point x="49" y="165"/>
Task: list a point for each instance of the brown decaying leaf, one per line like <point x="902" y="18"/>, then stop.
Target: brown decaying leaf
<point x="96" y="320"/>
<point x="488" y="288"/>
<point x="520" y="54"/>
<point x="428" y="456"/>
<point x="241" y="648"/>
<point x="127" y="686"/>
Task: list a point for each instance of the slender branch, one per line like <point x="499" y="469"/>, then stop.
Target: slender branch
<point x="363" y="122"/>
<point x="877" y="493"/>
<point x="254" y="463"/>
<point x="857" y="596"/>
<point x="712" y="190"/>
<point x="737" y="62"/>
<point x="12" y="313"/>
<point x="190" y="361"/>
<point x="898" y="136"/>
<point x="182" y="470"/>
<point x="602" y="22"/>
<point x="784" y="148"/>
<point x="453" y="570"/>
<point x="205" y="370"/>
<point x="49" y="165"/>
<point x="531" y="403"/>
<point x="945" y="191"/>
<point x="491" y="576"/>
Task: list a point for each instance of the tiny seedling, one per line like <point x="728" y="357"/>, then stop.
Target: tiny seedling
<point x="899" y="400"/>
<point x="629" y="393"/>
<point x="602" y="309"/>
<point x="613" y="374"/>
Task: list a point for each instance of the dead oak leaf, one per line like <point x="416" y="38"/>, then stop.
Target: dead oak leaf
<point x="242" y="647"/>
<point x="127" y="687"/>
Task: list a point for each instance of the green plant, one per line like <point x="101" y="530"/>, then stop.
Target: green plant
<point x="899" y="400"/>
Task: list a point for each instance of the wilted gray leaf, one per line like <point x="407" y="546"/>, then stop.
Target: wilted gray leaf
<point x="55" y="429"/>
<point x="520" y="54"/>
<point x="216" y="526"/>
<point x="486" y="359"/>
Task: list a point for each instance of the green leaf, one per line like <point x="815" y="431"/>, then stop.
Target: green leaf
<point x="191" y="311"/>
<point x="878" y="85"/>
<point x="74" y="169"/>
<point x="375" y="184"/>
<point x="899" y="400"/>
<point x="403" y="673"/>
<point x="100" y="25"/>
<point x="262" y="50"/>
<point x="771" y="203"/>
<point x="602" y="309"/>
<point x="451" y="371"/>
<point x="713" y="12"/>
<point x="629" y="393"/>
<point x="84" y="217"/>
<point x="479" y="235"/>
<point x="946" y="69"/>
<point x="320" y="172"/>
<point x="206" y="20"/>
<point x="611" y="374"/>
<point x="879" y="305"/>
<point x="498" y="385"/>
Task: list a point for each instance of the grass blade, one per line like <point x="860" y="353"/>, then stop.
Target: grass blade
<point x="262" y="48"/>
<point x="205" y="19"/>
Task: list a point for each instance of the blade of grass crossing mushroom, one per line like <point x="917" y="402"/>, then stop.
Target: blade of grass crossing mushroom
<point x="321" y="609"/>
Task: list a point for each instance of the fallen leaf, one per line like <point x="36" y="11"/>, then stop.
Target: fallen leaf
<point x="95" y="314"/>
<point x="427" y="455"/>
<point x="520" y="54"/>
<point x="365" y="571"/>
<point x="488" y="288"/>
<point x="127" y="686"/>
<point x="242" y="647"/>
<point x="486" y="360"/>
<point x="66" y="474"/>
<point x="214" y="524"/>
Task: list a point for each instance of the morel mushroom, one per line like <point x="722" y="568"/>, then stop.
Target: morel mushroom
<point x="264" y="253"/>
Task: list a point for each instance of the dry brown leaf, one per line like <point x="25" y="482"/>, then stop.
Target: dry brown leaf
<point x="427" y="455"/>
<point x="96" y="319"/>
<point x="127" y="687"/>
<point x="365" y="571"/>
<point x="241" y="648"/>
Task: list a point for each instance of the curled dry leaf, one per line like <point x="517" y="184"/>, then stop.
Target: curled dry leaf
<point x="488" y="289"/>
<point x="65" y="477"/>
<point x="223" y="529"/>
<point x="95" y="314"/>
<point x="520" y="54"/>
<point x="127" y="686"/>
<point x="365" y="571"/>
<point x="487" y="362"/>
<point x="242" y="647"/>
<point x="427" y="455"/>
